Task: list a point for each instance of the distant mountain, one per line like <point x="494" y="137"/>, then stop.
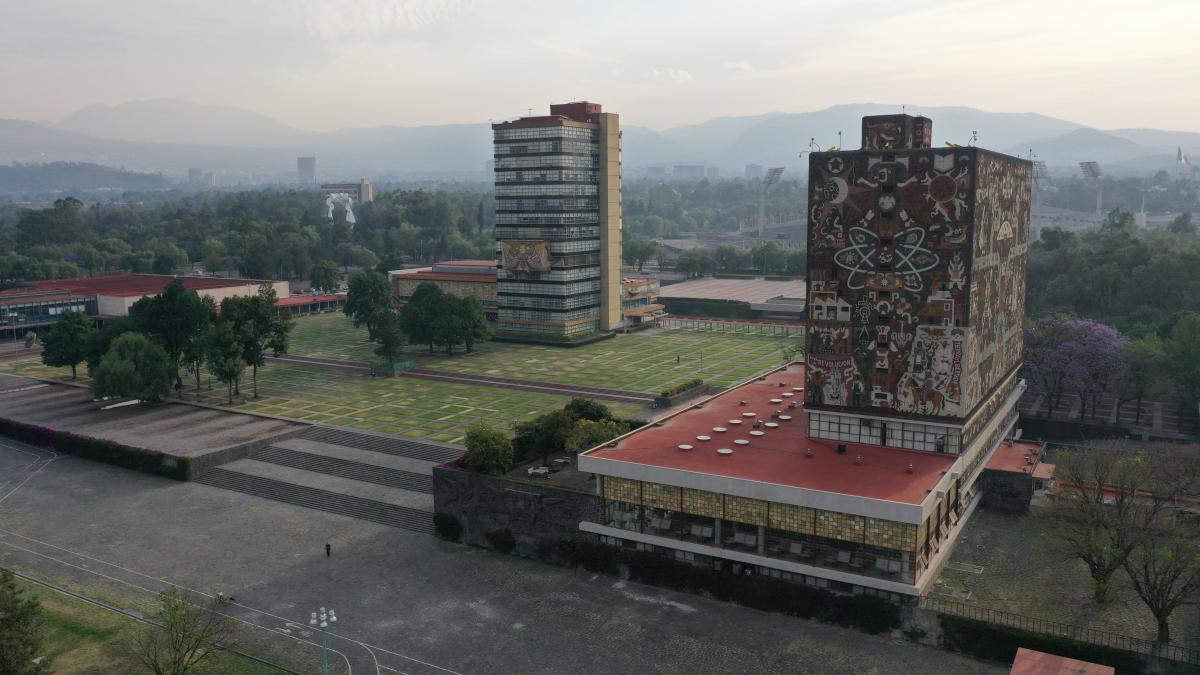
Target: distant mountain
<point x="1083" y="145"/>
<point x="172" y="135"/>
<point x="183" y="122"/>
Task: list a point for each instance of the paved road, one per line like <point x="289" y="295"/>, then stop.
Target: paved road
<point x="406" y="603"/>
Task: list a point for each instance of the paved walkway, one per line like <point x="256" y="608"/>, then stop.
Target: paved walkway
<point x="621" y="395"/>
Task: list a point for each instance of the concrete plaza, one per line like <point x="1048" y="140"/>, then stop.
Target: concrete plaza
<point x="406" y="602"/>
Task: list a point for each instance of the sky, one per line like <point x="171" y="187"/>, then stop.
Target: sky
<point x="325" y="65"/>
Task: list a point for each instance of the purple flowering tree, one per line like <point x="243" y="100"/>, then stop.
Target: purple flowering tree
<point x="1067" y="357"/>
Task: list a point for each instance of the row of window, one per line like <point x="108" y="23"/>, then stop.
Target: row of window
<point x="553" y="275"/>
<point x="534" y="147"/>
<point x="548" y="161"/>
<point x="547" y="176"/>
<point x="586" y="300"/>
<point x="565" y="247"/>
<point x="586" y="327"/>
<point x="535" y="315"/>
<point x="540" y="190"/>
<point x="557" y="131"/>
<point x="551" y="289"/>
<point x="561" y="204"/>
<point x="894" y="433"/>
<point x="555" y="220"/>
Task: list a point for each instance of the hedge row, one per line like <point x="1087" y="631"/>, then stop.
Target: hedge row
<point x="681" y="387"/>
<point x="867" y="613"/>
<point x="95" y="449"/>
<point x="999" y="643"/>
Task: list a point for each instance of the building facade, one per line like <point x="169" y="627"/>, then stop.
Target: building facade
<point x="856" y="470"/>
<point x="558" y="223"/>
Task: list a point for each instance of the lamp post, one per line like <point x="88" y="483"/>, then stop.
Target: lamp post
<point x="322" y="620"/>
<point x="12" y="319"/>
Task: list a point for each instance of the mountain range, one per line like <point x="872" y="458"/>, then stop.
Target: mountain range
<point x="170" y="135"/>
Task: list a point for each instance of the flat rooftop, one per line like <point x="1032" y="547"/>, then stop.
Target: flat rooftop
<point x="127" y="285"/>
<point x="753" y="291"/>
<point x="780" y="455"/>
<point x="1016" y="457"/>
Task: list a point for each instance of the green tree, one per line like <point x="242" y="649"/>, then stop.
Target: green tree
<point x="134" y="367"/>
<point x="66" y="343"/>
<point x="369" y="300"/>
<point x="389" y="337"/>
<point x="588" y="434"/>
<point x="223" y="354"/>
<point x="259" y="325"/>
<point x="796" y="263"/>
<point x="324" y="276"/>
<point x="1183" y="349"/>
<point x="1182" y="225"/>
<point x="100" y="340"/>
<point x="472" y="322"/>
<point x="1165" y="571"/>
<point x="544" y="435"/>
<point x="692" y="263"/>
<point x="194" y="348"/>
<point x="768" y="257"/>
<point x="419" y="313"/>
<point x="176" y="319"/>
<point x="638" y="251"/>
<point x="587" y="409"/>
<point x="489" y="451"/>
<point x="183" y="634"/>
<point x="20" y="630"/>
<point x="1118" y="219"/>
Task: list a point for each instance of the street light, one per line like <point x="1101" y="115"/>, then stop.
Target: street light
<point x="322" y="620"/>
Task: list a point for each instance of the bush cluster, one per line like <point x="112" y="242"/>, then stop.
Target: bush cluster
<point x="95" y="449"/>
<point x="1000" y="643"/>
<point x="867" y="613"/>
<point x="501" y="540"/>
<point x="682" y="387"/>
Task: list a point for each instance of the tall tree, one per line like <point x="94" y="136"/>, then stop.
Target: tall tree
<point x="259" y="325"/>
<point x="324" y="276"/>
<point x="20" y="630"/>
<point x="194" y="348"/>
<point x="175" y="318"/>
<point x="1165" y="570"/>
<point x="66" y="343"/>
<point x="223" y="354"/>
<point x="488" y="451"/>
<point x="100" y="340"/>
<point x="134" y="367"/>
<point x="369" y="300"/>
<point x="473" y="322"/>
<point x="420" y="312"/>
<point x="638" y="251"/>
<point x="183" y="635"/>
<point x="1184" y="351"/>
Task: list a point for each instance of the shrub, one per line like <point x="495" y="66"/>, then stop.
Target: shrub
<point x="447" y="526"/>
<point x="96" y="449"/>
<point x="682" y="387"/>
<point x="501" y="540"/>
<point x="872" y="614"/>
<point x="489" y="452"/>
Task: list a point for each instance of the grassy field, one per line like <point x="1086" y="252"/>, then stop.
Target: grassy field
<point x="438" y="411"/>
<point x="637" y="362"/>
<point x="83" y="638"/>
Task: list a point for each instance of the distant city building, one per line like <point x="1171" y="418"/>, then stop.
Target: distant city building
<point x="712" y="173"/>
<point x="656" y="172"/>
<point x="754" y="171"/>
<point x="687" y="171"/>
<point x="210" y="179"/>
<point x="489" y="169"/>
<point x="857" y="470"/>
<point x="361" y="192"/>
<point x="195" y="176"/>
<point x="558" y="223"/>
<point x="306" y="170"/>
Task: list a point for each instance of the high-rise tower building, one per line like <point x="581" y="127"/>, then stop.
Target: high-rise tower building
<point x="306" y="169"/>
<point x="916" y="259"/>
<point x="558" y="223"/>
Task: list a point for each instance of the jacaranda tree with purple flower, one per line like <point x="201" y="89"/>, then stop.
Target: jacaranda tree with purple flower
<point x="1074" y="358"/>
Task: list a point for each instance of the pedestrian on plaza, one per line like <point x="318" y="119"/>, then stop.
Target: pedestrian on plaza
<point x="326" y="549"/>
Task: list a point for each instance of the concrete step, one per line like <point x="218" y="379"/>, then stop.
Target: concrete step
<point x="438" y="453"/>
<point x="396" y="462"/>
<point x="334" y="466"/>
<point x="421" y="501"/>
<point x="322" y="500"/>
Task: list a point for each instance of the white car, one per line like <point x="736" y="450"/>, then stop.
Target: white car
<point x="539" y="471"/>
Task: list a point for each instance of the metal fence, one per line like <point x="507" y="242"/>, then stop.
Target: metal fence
<point x="726" y="326"/>
<point x="1149" y="648"/>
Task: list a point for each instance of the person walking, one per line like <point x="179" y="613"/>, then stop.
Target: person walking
<point x="326" y="549"/>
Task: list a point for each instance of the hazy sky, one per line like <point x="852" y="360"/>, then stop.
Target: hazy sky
<point x="350" y="63"/>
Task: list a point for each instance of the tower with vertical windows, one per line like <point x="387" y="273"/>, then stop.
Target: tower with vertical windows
<point x="916" y="259"/>
<point x="558" y="223"/>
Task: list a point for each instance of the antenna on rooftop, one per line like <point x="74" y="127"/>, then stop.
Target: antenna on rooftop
<point x="1091" y="171"/>
<point x="974" y="139"/>
<point x="771" y="178"/>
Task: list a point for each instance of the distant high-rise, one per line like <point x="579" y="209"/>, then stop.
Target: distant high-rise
<point x="558" y="222"/>
<point x="712" y="173"/>
<point x="195" y="176"/>
<point x="754" y="172"/>
<point x="210" y="179"/>
<point x="687" y="171"/>
<point x="306" y="169"/>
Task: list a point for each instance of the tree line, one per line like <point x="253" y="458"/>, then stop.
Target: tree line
<point x="165" y="336"/>
<point x="430" y="317"/>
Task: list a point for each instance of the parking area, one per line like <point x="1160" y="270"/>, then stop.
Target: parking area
<point x="405" y="602"/>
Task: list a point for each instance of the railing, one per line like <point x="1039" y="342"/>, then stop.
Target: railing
<point x="733" y="326"/>
<point x="1150" y="648"/>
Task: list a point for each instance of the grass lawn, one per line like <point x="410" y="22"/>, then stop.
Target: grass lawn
<point x="83" y="638"/>
<point x="638" y="362"/>
<point x="438" y="411"/>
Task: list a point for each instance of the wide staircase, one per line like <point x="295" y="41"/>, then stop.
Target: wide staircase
<point x="375" y="477"/>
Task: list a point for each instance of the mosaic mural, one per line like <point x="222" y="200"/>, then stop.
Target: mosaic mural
<point x="916" y="275"/>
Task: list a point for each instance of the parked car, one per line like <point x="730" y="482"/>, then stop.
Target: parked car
<point x="539" y="472"/>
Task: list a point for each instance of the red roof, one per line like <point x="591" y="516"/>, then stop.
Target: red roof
<point x="296" y="300"/>
<point x="468" y="263"/>
<point x="129" y="285"/>
<point x="1016" y="456"/>
<point x="425" y="275"/>
<point x="779" y="456"/>
<point x="1030" y="662"/>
